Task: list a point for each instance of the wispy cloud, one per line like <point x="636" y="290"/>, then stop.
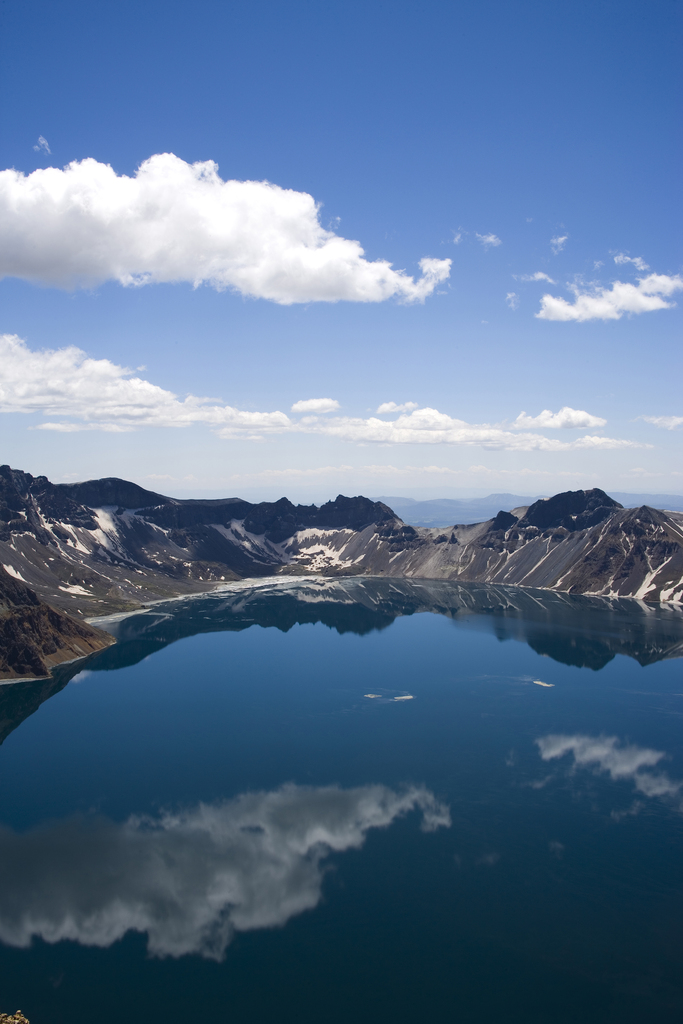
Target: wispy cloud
<point x="566" y="418"/>
<point x="538" y="276"/>
<point x="316" y="405"/>
<point x="558" y="243"/>
<point x="665" y="422"/>
<point x="96" y="394"/>
<point x="175" y="221"/>
<point x="393" y="407"/>
<point x="296" y="473"/>
<point x="42" y="144"/>
<point x="512" y="300"/>
<point x="637" y="261"/>
<point x="488" y="241"/>
<point x="611" y="303"/>
<point x="429" y="426"/>
<point x="409" y="472"/>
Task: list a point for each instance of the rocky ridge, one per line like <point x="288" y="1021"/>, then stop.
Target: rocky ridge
<point x="34" y="638"/>
<point x="108" y="545"/>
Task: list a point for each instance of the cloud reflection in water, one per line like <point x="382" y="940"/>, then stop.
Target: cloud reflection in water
<point x="603" y="753"/>
<point x="190" y="880"/>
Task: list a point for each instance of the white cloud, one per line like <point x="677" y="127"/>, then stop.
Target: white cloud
<point x="457" y="237"/>
<point x="621" y="762"/>
<point x="665" y="422"/>
<point x="538" y="276"/>
<point x="103" y="396"/>
<point x="96" y="394"/>
<point x="429" y="426"/>
<point x="393" y="407"/>
<point x="558" y="243"/>
<point x="42" y="144"/>
<point x="316" y="405"/>
<point x="488" y="240"/>
<point x="637" y="261"/>
<point x="565" y="418"/>
<point x="191" y="880"/>
<point x="175" y="221"/>
<point x="512" y="300"/>
<point x="612" y="303"/>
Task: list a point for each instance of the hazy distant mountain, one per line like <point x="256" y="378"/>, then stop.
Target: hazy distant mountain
<point x="109" y="545"/>
<point x="668" y="502"/>
<point x="449" y="511"/>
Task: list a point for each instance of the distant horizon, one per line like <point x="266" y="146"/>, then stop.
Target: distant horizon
<point x="464" y="495"/>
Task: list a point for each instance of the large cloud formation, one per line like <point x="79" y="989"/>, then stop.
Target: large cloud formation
<point x="105" y="396"/>
<point x="97" y="394"/>
<point x="175" y="221"/>
<point x="190" y="880"/>
<point x="649" y="294"/>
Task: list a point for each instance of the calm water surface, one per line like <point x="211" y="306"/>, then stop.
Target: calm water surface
<point x="214" y="820"/>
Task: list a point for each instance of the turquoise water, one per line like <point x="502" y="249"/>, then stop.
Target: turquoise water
<point x="211" y="820"/>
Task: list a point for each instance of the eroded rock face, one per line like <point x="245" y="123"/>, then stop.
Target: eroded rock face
<point x="108" y="545"/>
<point x="34" y="637"/>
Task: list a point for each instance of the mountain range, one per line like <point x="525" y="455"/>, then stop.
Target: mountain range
<point x="106" y="546"/>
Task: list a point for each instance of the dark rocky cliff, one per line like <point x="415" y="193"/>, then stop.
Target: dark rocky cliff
<point x="34" y="637"/>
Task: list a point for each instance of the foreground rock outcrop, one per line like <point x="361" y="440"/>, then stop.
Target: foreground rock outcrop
<point x="108" y="545"/>
<point x="34" y="638"/>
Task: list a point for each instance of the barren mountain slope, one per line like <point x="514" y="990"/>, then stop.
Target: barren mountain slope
<point x="598" y="549"/>
<point x="34" y="637"/>
<point x="109" y="545"/>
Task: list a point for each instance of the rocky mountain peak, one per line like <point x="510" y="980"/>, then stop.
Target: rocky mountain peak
<point x="110" y="490"/>
<point x="573" y="510"/>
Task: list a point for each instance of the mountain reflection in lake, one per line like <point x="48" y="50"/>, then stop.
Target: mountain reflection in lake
<point x="573" y="629"/>
<point x="219" y="814"/>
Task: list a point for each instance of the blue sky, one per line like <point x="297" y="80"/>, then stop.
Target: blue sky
<point x="474" y="133"/>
